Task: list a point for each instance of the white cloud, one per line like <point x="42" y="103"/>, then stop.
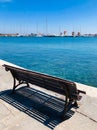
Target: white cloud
<point x="4" y="1"/>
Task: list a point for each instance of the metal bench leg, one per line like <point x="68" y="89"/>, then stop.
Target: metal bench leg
<point x="14" y="85"/>
<point x="76" y="104"/>
<point x="28" y="85"/>
<point x="65" y="107"/>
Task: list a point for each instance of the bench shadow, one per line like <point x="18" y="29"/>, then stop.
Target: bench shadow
<point x="38" y="105"/>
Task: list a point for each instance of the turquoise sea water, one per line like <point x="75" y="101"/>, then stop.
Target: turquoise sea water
<point x="66" y="57"/>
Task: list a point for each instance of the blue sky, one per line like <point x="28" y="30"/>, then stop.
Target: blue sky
<point x="26" y="16"/>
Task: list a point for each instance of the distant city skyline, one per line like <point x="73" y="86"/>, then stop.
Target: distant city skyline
<point x="48" y="16"/>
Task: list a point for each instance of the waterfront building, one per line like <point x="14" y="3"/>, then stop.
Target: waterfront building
<point x="65" y="33"/>
<point x="14" y="34"/>
<point x="78" y="34"/>
<point x="60" y="33"/>
<point x="73" y="33"/>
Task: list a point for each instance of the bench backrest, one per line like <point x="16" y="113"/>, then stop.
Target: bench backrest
<point x="55" y="84"/>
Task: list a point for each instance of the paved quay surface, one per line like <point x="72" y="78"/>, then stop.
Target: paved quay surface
<point x="15" y="115"/>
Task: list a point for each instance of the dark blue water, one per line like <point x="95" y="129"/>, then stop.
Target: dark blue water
<point x="66" y="57"/>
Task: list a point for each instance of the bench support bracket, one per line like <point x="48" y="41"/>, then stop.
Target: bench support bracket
<point x="15" y="84"/>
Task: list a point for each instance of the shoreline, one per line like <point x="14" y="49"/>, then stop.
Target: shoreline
<point x="53" y="36"/>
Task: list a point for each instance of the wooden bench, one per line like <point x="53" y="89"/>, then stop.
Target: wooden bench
<point x="60" y="86"/>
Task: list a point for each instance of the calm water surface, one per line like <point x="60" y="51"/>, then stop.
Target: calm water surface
<point x="69" y="58"/>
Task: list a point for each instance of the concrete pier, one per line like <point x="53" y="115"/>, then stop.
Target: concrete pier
<point x="14" y="118"/>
